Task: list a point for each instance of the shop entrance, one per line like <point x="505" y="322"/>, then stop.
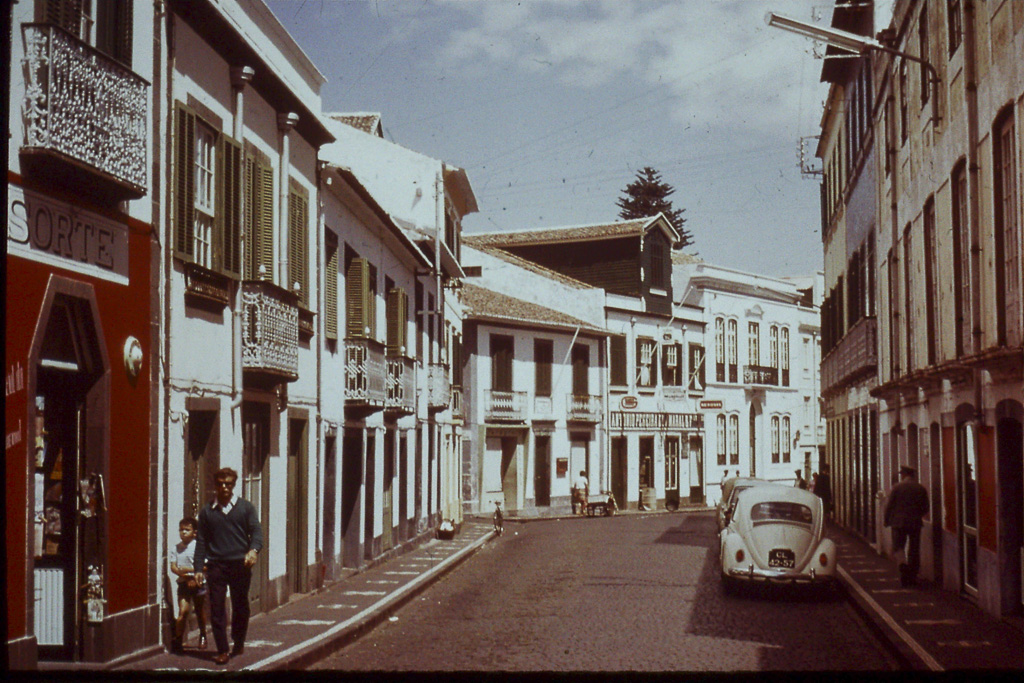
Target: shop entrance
<point x="542" y="471"/>
<point x="70" y="417"/>
<point x="256" y="485"/>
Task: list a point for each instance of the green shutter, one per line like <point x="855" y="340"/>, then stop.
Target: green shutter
<point x="357" y="299"/>
<point x="397" y="322"/>
<point x="265" y="226"/>
<point x="228" y="224"/>
<point x="331" y="284"/>
<point x="184" y="181"/>
<point x="251" y="262"/>
<point x="298" y="242"/>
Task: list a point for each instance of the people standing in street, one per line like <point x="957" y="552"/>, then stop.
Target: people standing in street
<point x="191" y="596"/>
<point x="904" y="512"/>
<point x="580" y="492"/>
<point x="801" y="483"/>
<point x="230" y="537"/>
<point x="823" y="489"/>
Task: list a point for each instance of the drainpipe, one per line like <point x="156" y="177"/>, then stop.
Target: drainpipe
<point x="439" y="215"/>
<point x="321" y="226"/>
<point x="240" y="76"/>
<point x="285" y="122"/>
<point x="161" y="11"/>
<point x="974" y="191"/>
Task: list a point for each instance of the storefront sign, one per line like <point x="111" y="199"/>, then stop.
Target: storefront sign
<point x="710" y="405"/>
<point x="628" y="402"/>
<point x="65" y="236"/>
<point x="657" y="421"/>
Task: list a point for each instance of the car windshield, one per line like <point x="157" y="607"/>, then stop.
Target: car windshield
<point x="776" y="511"/>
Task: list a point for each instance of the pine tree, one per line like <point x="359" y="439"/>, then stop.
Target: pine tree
<point x="647" y="195"/>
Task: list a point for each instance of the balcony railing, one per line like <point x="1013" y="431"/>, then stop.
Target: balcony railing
<point x="504" y="406"/>
<point x="439" y="388"/>
<point x="584" y="407"/>
<point x="364" y="373"/>
<point x="83" y="110"/>
<point x="401" y="386"/>
<point x="854" y="356"/>
<point x="760" y="374"/>
<point x="270" y="331"/>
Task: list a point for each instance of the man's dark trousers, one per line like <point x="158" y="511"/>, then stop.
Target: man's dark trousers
<point x="908" y="537"/>
<point x="221" y="575"/>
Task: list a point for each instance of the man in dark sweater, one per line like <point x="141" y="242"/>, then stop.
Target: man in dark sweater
<point x="229" y="539"/>
<point x="907" y="506"/>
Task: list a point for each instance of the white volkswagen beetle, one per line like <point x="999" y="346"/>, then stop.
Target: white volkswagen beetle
<point x="774" y="533"/>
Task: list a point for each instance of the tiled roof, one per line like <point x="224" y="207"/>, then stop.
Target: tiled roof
<point x="533" y="267"/>
<point x="481" y="303"/>
<point x="572" y="233"/>
<point x="368" y="123"/>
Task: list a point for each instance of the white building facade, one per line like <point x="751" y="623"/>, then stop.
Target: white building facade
<point x="761" y="405"/>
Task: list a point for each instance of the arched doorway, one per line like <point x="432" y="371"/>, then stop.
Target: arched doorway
<point x="69" y="417"/>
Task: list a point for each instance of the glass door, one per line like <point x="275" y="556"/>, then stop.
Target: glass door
<point x="968" y="466"/>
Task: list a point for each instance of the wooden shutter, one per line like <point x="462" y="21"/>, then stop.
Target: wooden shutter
<point x="265" y="220"/>
<point x="397" y="322"/>
<point x="357" y="284"/>
<point x="123" y="33"/>
<point x="619" y="376"/>
<point x="501" y="363"/>
<point x="580" y="370"/>
<point x="64" y="13"/>
<point x="184" y="181"/>
<point x="298" y="242"/>
<point x="543" y="354"/>
<point x="331" y="285"/>
<point x="227" y="252"/>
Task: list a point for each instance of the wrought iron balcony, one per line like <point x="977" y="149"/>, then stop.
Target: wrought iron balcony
<point x="401" y="386"/>
<point x="364" y="374"/>
<point x="854" y="357"/>
<point x="584" y="407"/>
<point x="270" y="331"/>
<point x="504" y="406"/>
<point x="84" y="115"/>
<point x="439" y="388"/>
<point x="760" y="374"/>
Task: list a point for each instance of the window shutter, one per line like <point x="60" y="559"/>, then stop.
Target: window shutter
<point x="265" y="226"/>
<point x="252" y="199"/>
<point x="184" y="181"/>
<point x="228" y="224"/>
<point x="65" y="13"/>
<point x="618" y="361"/>
<point x="357" y="280"/>
<point x="123" y="35"/>
<point x="397" y="321"/>
<point x="331" y="284"/>
<point x="298" y="242"/>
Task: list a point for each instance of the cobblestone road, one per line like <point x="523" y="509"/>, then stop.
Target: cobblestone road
<point x="611" y="594"/>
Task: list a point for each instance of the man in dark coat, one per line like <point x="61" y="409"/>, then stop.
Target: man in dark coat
<point x="229" y="539"/>
<point x="823" y="489"/>
<point x="907" y="506"/>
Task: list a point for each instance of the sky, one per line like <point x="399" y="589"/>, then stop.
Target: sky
<point x="553" y="106"/>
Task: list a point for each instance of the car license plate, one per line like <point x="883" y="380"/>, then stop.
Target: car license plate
<point x="782" y="557"/>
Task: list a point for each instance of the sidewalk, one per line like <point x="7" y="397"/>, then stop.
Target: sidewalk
<point x="307" y="628"/>
<point x="931" y="629"/>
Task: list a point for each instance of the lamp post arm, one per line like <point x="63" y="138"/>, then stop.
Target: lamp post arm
<point x="932" y="71"/>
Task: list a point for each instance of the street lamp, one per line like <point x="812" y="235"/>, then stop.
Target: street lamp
<point x="852" y="42"/>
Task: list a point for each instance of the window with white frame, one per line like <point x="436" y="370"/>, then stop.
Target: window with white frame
<point x="734" y="439"/>
<point x="784" y="438"/>
<point x="720" y="350"/>
<point x="784" y="355"/>
<point x="753" y="343"/>
<point x="731" y="349"/>
<point x="671" y="462"/>
<point x="646" y="357"/>
<point x="775" y="438"/>
<point x="720" y="434"/>
<point x="773" y="346"/>
<point x="205" y="196"/>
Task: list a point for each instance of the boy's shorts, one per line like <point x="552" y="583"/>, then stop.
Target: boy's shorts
<point x="187" y="592"/>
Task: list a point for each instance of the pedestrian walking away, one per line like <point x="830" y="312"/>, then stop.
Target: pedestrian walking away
<point x="229" y="540"/>
<point x="823" y="489"/>
<point x="580" y="492"/>
<point x="499" y="519"/>
<point x="904" y="512"/>
<point x="191" y="596"/>
<point x="801" y="483"/>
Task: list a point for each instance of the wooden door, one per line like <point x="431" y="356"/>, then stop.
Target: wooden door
<point x="256" y="486"/>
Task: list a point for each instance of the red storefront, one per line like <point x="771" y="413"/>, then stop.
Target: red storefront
<point x="79" y="358"/>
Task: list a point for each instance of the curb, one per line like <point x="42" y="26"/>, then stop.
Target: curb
<point x="315" y="649"/>
<point x="900" y="644"/>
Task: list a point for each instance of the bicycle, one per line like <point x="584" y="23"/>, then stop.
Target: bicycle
<point x="498" y="519"/>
